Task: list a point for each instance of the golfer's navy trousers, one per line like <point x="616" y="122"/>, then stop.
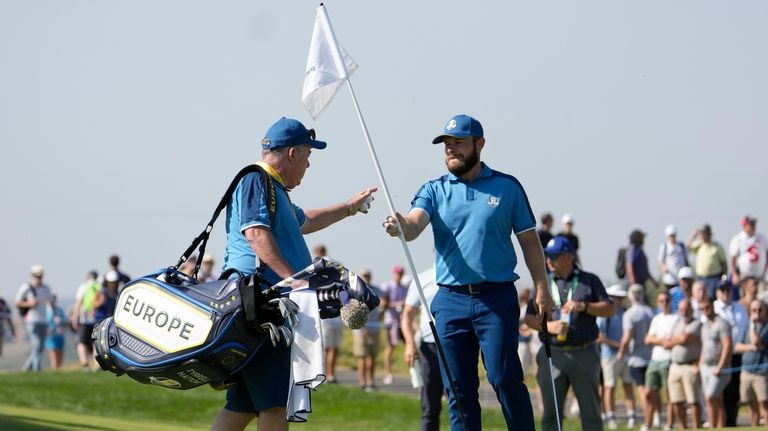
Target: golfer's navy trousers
<point x="467" y="324"/>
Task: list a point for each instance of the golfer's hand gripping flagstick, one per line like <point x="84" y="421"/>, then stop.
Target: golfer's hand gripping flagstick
<point x="544" y="335"/>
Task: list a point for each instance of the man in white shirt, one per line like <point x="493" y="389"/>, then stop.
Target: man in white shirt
<point x="35" y="297"/>
<point x="672" y="254"/>
<point x="748" y="251"/>
<point x="657" y="374"/>
<point x="421" y="348"/>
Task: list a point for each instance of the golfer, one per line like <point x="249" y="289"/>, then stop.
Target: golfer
<point x="474" y="210"/>
<point x="280" y="248"/>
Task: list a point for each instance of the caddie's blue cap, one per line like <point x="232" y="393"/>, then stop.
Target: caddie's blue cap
<point x="557" y="246"/>
<point x="287" y="132"/>
<point x="460" y="126"/>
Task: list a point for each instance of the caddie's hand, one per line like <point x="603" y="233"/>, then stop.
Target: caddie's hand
<point x="544" y="303"/>
<point x="391" y="227"/>
<point x="410" y="354"/>
<point x="361" y="202"/>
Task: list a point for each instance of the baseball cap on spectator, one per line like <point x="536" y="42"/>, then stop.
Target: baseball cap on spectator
<point x="111" y="276"/>
<point x="707" y="229"/>
<point x="287" y="132"/>
<point x="685" y="273"/>
<point x="36" y="270"/>
<point x="567" y="219"/>
<point x="748" y="219"/>
<point x="617" y="290"/>
<point x="557" y="246"/>
<point x="460" y="126"/>
<point x="670" y="230"/>
<point x="725" y="286"/>
<point x="398" y="269"/>
<point x="668" y="279"/>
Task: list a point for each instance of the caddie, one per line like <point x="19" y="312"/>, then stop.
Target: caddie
<point x="275" y="243"/>
<point x="474" y="210"/>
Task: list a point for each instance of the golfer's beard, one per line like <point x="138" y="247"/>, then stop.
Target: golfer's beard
<point x="460" y="167"/>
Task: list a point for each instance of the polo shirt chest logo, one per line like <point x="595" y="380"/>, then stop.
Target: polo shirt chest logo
<point x="493" y="201"/>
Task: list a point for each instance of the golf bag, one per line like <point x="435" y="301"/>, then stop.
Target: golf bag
<point x="170" y="330"/>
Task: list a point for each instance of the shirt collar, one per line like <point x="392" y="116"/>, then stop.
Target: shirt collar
<point x="485" y="172"/>
<point x="272" y="172"/>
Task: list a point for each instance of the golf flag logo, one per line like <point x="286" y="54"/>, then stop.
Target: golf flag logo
<point x="328" y="65"/>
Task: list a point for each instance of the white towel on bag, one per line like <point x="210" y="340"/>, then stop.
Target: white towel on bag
<point x="307" y="357"/>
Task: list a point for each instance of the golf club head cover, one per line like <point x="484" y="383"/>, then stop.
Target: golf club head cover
<point x="336" y="286"/>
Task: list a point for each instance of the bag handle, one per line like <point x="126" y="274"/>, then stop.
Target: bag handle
<point x="202" y="239"/>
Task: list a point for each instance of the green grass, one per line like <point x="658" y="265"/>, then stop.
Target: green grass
<point x="100" y="401"/>
<point x="25" y="419"/>
<point x="77" y="400"/>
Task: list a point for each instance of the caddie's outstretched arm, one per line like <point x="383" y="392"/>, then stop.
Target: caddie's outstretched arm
<point x="534" y="260"/>
<point x="321" y="218"/>
<point x="413" y="224"/>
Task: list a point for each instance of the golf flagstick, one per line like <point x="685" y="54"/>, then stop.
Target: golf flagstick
<point x="340" y="65"/>
<point x="544" y="335"/>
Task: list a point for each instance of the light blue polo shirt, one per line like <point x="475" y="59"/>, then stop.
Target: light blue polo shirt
<point x="472" y="224"/>
<point x="248" y="208"/>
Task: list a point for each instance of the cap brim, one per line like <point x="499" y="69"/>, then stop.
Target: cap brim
<point x="317" y="144"/>
<point x="442" y="137"/>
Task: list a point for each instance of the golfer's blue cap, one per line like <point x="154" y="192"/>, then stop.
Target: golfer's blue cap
<point x="557" y="246"/>
<point x="287" y="132"/>
<point x="460" y="126"/>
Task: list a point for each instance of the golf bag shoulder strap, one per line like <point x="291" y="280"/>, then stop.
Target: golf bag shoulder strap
<point x="202" y="239"/>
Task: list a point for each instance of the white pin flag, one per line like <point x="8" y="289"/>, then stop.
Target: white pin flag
<point x="325" y="71"/>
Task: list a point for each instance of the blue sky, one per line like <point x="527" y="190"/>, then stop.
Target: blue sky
<point x="122" y="123"/>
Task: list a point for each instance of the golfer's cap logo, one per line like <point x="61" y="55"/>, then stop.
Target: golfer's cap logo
<point x="451" y="125"/>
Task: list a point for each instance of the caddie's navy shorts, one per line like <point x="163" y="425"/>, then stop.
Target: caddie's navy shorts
<point x="264" y="381"/>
